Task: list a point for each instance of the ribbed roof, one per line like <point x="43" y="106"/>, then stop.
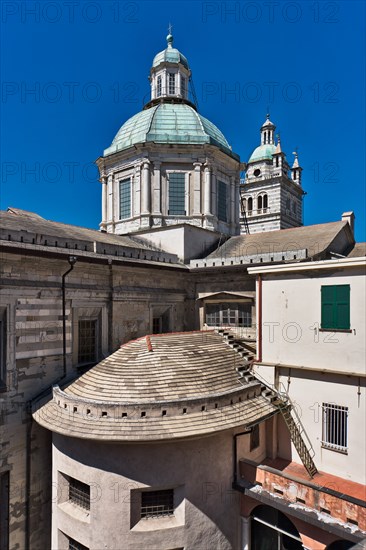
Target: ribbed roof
<point x="168" y="123"/>
<point x="316" y="239"/>
<point x="158" y="387"/>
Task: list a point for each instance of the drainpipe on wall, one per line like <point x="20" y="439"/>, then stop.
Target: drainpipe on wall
<point x="72" y="261"/>
<point x="259" y="318"/>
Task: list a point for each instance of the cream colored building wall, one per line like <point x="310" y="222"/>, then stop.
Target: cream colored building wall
<point x="308" y="391"/>
<point x="207" y="514"/>
<point x="291" y="315"/>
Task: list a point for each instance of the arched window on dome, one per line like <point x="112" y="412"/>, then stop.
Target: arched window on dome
<point x="265" y="203"/>
<point x="158" y="86"/>
<point x="250" y="206"/>
<point x="259" y="204"/>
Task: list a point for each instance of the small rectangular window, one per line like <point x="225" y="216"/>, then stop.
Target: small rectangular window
<point x="125" y="198"/>
<point x="158" y="90"/>
<point x="79" y="493"/>
<point x="335" y="307"/>
<point x="75" y="545"/>
<point x="3" y="354"/>
<point x="171" y="83"/>
<point x="88" y="341"/>
<point x="222" y="201"/>
<point x="157" y="503"/>
<point x="177" y="189"/>
<point x="335" y="427"/>
<point x="183" y="86"/>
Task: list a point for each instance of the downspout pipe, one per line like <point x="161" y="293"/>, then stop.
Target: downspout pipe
<point x="72" y="262"/>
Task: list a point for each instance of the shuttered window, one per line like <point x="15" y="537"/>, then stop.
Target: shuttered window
<point x="222" y="201"/>
<point x="335" y="307"/>
<point x="177" y="188"/>
<point x="125" y="198"/>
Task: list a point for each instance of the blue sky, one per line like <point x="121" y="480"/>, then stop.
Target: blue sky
<point x="74" y="72"/>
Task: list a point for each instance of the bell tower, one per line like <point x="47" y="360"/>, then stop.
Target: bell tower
<point x="271" y="192"/>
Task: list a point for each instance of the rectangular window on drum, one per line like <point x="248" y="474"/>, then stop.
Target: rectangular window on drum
<point x="125" y="199"/>
<point x="222" y="201"/>
<point x="177" y="191"/>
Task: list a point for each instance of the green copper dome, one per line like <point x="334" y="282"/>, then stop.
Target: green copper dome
<point x="170" y="54"/>
<point x="175" y="123"/>
<point x="263" y="152"/>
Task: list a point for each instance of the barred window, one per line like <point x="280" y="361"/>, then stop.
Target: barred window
<point x="177" y="189"/>
<point x="158" y="91"/>
<point x="75" y="545"/>
<point x="157" y="503"/>
<point x="334" y="427"/>
<point x="222" y="201"/>
<point x="125" y="198"/>
<point x="88" y="341"/>
<point x="79" y="493"/>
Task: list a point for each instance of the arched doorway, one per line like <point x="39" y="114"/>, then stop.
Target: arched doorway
<point x="272" y="530"/>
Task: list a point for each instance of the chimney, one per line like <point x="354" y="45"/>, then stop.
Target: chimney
<point x="350" y="218"/>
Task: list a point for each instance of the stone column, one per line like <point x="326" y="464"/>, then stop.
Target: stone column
<point x="157" y="189"/>
<point x="145" y="188"/>
<point x="245" y="533"/>
<point x="207" y="190"/>
<point x="103" y="181"/>
<point x="197" y="188"/>
<point x="110" y="198"/>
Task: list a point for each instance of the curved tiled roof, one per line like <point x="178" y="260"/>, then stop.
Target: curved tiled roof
<point x="168" y="123"/>
<point x="159" y="387"/>
<point x="262" y="152"/>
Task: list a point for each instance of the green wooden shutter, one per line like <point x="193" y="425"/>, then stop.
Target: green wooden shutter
<point x="335" y="307"/>
<point x="327" y="320"/>
<point x="342" y="306"/>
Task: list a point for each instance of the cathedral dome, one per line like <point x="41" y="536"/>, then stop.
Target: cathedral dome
<point x="168" y="123"/>
<point x="263" y="152"/>
<point x="170" y="55"/>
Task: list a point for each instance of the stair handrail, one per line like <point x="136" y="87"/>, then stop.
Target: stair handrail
<point x="284" y="396"/>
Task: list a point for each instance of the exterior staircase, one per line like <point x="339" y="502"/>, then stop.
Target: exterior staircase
<point x="280" y="399"/>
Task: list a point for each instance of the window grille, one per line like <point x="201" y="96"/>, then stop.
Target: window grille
<point x="222" y="201"/>
<point x="335" y="307"/>
<point x="88" y="341"/>
<point x="75" y="545"/>
<point x="234" y="314"/>
<point x="158" y="92"/>
<point x="79" y="493"/>
<point x="177" y="189"/>
<point x="171" y="83"/>
<point x="334" y="427"/>
<point x="157" y="503"/>
<point x="125" y="198"/>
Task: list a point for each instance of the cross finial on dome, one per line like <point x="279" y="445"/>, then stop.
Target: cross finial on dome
<point x="169" y="38"/>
